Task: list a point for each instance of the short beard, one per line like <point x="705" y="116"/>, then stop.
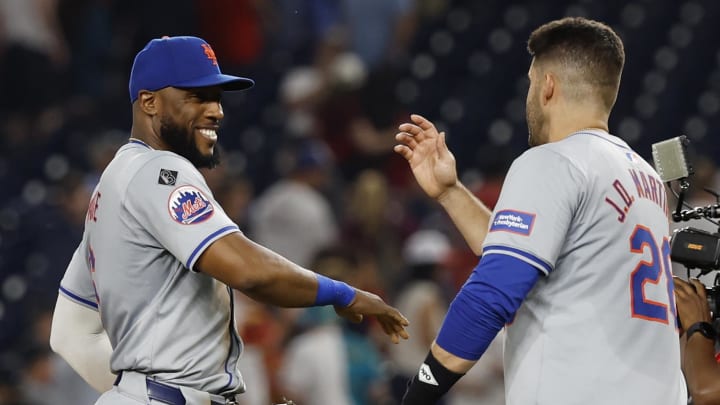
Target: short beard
<point x="535" y="126"/>
<point x="184" y="145"/>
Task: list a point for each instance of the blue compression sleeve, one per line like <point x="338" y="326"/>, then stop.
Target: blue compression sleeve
<point x="488" y="300"/>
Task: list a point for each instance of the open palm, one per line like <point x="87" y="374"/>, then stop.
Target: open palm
<point x="431" y="162"/>
<point x="390" y="319"/>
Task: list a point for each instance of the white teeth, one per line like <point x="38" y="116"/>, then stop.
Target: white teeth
<point x="209" y="133"/>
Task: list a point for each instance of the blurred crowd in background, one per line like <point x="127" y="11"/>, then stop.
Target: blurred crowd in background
<point x="308" y="168"/>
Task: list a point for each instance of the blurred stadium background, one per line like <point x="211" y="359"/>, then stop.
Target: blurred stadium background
<point x="308" y="168"/>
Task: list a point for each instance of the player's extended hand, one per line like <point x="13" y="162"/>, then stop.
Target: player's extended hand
<point x="691" y="300"/>
<point x="365" y="303"/>
<point x="432" y="163"/>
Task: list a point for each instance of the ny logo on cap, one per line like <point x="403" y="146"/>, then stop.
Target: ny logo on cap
<point x="210" y="53"/>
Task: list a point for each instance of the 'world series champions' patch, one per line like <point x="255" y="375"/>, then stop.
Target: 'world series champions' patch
<point x="167" y="177"/>
<point x="188" y="205"/>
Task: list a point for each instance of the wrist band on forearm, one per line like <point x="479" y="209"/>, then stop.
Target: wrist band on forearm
<point x="333" y="292"/>
<point x="431" y="382"/>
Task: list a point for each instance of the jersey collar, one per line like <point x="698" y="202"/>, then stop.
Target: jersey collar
<point x="139" y="142"/>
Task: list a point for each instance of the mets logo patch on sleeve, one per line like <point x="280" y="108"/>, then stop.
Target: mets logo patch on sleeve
<point x="188" y="205"/>
<point x="513" y="221"/>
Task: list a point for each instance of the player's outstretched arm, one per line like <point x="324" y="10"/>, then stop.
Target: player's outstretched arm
<point x="433" y="166"/>
<point x="77" y="335"/>
<point x="268" y="277"/>
<point x="701" y="370"/>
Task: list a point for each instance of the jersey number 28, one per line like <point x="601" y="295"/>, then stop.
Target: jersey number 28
<point x="651" y="272"/>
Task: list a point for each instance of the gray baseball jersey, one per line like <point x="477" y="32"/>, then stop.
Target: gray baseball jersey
<point x="600" y="328"/>
<point x="150" y="218"/>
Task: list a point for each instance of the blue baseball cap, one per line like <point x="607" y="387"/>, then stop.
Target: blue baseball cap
<point x="179" y="62"/>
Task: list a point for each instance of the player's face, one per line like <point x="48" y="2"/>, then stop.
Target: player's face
<point x="189" y="125"/>
<point x="533" y="110"/>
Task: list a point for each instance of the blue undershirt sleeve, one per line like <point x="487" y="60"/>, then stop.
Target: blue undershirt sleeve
<point x="488" y="300"/>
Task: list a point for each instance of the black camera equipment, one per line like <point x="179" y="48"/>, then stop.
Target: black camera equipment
<point x="694" y="248"/>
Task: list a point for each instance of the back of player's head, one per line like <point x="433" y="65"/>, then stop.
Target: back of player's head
<point x="589" y="54"/>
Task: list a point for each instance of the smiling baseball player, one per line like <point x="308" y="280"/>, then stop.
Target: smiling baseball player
<point x="145" y="309"/>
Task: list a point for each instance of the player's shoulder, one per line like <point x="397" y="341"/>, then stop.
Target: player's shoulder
<point x="548" y="162"/>
<point x="580" y="150"/>
<point x="546" y="156"/>
<point x="167" y="167"/>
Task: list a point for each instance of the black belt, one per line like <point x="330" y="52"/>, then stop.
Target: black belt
<point x="168" y="394"/>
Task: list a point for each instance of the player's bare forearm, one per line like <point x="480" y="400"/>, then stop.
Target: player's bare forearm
<point x="258" y="272"/>
<point x="268" y="277"/>
<point x="450" y="361"/>
<point x="701" y="370"/>
<point x="469" y="214"/>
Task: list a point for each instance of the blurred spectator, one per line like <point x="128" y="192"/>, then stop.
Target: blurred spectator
<point x="91" y="44"/>
<point x="263" y="333"/>
<point x="359" y="129"/>
<point x="35" y="55"/>
<point x="379" y="31"/>
<point x="9" y="385"/>
<point x="333" y="361"/>
<point x="100" y="151"/>
<point x="374" y="222"/>
<point x="423" y="300"/>
<point x="235" y="28"/>
<point x="301" y="90"/>
<point x="293" y="217"/>
<point x="33" y="257"/>
<point x="235" y="194"/>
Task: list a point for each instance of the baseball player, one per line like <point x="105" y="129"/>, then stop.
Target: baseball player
<point x="575" y="257"/>
<point x="145" y="310"/>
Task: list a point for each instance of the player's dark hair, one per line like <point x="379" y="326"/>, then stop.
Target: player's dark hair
<point x="588" y="47"/>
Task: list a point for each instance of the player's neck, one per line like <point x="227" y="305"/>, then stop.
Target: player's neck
<point x="563" y="126"/>
<point x="147" y="137"/>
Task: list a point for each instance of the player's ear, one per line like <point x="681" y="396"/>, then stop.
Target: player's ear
<point x="147" y="102"/>
<point x="548" y="87"/>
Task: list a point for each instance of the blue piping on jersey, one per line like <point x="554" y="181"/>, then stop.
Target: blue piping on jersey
<point x="532" y="258"/>
<point x="603" y="138"/>
<point x="206" y="240"/>
<point x="139" y="142"/>
<point x="78" y="298"/>
<point x="232" y="339"/>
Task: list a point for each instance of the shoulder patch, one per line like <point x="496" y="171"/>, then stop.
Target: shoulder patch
<point x="513" y="221"/>
<point x="167" y="177"/>
<point x="188" y="205"/>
